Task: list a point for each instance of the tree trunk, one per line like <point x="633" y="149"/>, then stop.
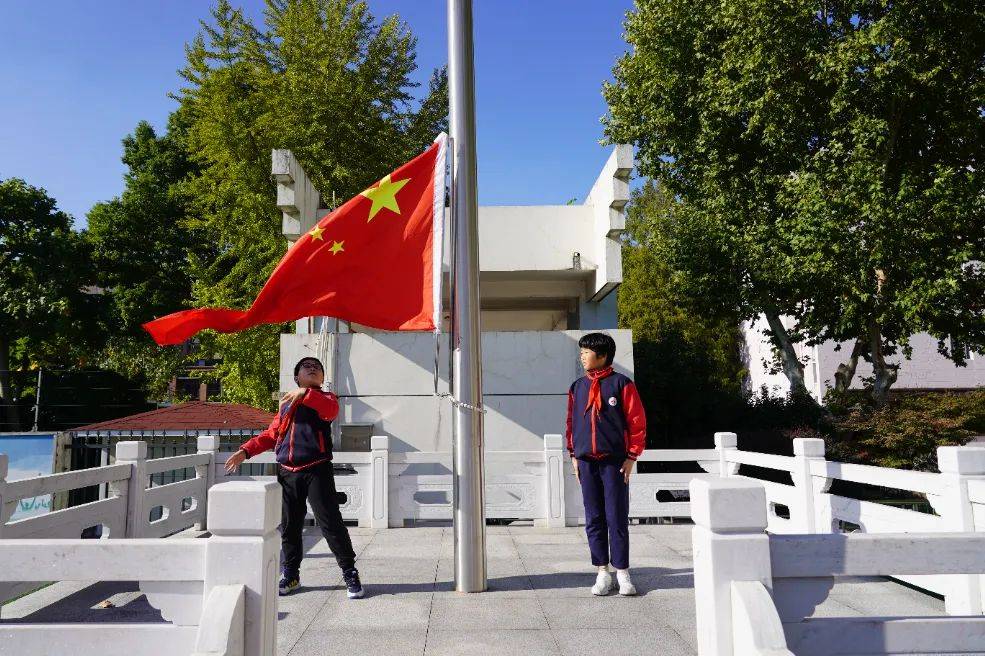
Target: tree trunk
<point x="793" y="369"/>
<point x="846" y="370"/>
<point x="884" y="374"/>
<point x="8" y="407"/>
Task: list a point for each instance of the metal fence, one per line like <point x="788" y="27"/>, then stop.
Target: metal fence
<point x="63" y="399"/>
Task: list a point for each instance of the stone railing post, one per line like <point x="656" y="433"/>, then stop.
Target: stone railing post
<point x="135" y="454"/>
<point x="806" y="451"/>
<point x="379" y="482"/>
<point x="958" y="465"/>
<point x="207" y="444"/>
<point x="6" y="506"/>
<point x="554" y="460"/>
<point x="730" y="544"/>
<point x="725" y="442"/>
<point x="244" y="550"/>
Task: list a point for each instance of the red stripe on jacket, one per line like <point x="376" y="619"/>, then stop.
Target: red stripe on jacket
<point x="635" y="421"/>
<point x="325" y="404"/>
<point x="569" y="435"/>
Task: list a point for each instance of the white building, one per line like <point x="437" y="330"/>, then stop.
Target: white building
<point x="926" y="370"/>
<point x="548" y="275"/>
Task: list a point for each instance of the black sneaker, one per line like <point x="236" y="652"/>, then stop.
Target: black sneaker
<point x="352" y="585"/>
<point x="288" y="584"/>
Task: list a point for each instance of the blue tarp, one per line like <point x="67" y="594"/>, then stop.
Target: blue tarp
<point x="30" y="455"/>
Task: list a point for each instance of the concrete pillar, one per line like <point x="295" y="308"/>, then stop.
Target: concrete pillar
<point x="723" y="443"/>
<point x="134" y="454"/>
<point x="6" y="506"/>
<point x="958" y="465"/>
<point x="805" y="518"/>
<point x="730" y="544"/>
<point x="379" y="484"/>
<point x="207" y="444"/>
<point x="244" y="550"/>
<point x="554" y="460"/>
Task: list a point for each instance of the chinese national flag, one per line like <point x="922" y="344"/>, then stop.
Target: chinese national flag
<point x="375" y="260"/>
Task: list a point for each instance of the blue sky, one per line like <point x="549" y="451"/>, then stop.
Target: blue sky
<point x="78" y="76"/>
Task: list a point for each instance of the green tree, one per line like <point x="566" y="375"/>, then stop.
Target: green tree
<point x="687" y="366"/>
<point x="826" y="154"/>
<point x="45" y="312"/>
<point x="140" y="244"/>
<point x="323" y="78"/>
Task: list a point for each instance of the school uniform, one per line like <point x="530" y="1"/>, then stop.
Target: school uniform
<point x="606" y="426"/>
<point x="301" y="437"/>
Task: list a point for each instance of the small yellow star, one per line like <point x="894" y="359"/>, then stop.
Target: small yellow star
<point x="384" y="195"/>
<point x="316" y="233"/>
<point x="336" y="247"/>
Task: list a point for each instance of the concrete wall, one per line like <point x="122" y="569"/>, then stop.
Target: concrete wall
<point x="387" y="379"/>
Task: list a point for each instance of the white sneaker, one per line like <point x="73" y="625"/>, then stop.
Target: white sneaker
<point x="626" y="587"/>
<point x="603" y="584"/>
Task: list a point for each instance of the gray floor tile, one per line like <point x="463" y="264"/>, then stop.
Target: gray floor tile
<point x="350" y="641"/>
<point x="495" y="641"/>
<point x="623" y="642"/>
<point x="391" y="614"/>
<point x="481" y="612"/>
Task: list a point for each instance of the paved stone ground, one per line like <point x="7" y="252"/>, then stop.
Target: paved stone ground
<point x="538" y="600"/>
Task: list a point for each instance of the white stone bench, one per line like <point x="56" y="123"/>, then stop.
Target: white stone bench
<point x="755" y="592"/>
<point x="218" y="594"/>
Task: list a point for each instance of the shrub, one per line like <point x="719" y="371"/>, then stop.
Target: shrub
<point x="906" y="432"/>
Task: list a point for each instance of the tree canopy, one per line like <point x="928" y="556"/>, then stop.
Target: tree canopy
<point x="827" y="158"/>
<point x="323" y="78"/>
<point x="47" y="307"/>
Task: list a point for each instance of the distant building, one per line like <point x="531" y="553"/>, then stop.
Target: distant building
<point x="926" y="370"/>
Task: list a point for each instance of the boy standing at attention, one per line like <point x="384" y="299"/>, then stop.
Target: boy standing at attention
<point x="301" y="436"/>
<point x="606" y="433"/>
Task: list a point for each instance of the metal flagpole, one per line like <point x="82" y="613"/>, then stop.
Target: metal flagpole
<point x="467" y="457"/>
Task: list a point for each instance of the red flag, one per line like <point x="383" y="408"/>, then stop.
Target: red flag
<point x="376" y="260"/>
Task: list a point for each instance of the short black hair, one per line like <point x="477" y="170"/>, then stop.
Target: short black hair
<point x="297" y="367"/>
<point x="601" y="344"/>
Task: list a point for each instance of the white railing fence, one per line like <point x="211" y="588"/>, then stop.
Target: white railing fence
<point x="523" y="485"/>
<point x="389" y="488"/>
<point x="218" y="595"/>
<point x="756" y="592"/>
<point x="957" y="495"/>
<point x="526" y="485"/>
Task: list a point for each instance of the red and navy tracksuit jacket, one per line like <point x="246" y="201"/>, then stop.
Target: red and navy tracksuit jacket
<point x="301" y="433"/>
<point x="605" y="417"/>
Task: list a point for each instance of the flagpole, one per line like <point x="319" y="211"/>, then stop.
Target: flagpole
<point x="467" y="448"/>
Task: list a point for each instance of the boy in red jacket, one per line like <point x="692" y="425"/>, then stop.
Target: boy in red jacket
<point x="301" y="436"/>
<point x="606" y="433"/>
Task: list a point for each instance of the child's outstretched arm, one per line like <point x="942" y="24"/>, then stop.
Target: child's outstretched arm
<point x="255" y="445"/>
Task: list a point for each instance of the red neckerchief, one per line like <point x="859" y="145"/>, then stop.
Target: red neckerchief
<point x="595" y="391"/>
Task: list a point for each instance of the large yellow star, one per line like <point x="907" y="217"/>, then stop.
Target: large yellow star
<point x="316" y="233"/>
<point x="384" y="195"/>
<point x="336" y="247"/>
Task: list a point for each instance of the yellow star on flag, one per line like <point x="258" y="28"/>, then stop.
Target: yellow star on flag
<point x="384" y="195"/>
<point x="316" y="233"/>
<point x="336" y="247"/>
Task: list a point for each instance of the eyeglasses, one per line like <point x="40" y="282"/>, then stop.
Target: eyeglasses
<point x="311" y="366"/>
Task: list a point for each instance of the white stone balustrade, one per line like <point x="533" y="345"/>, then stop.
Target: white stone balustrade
<point x="755" y="592"/>
<point x="391" y="488"/>
<point x="526" y="485"/>
<point x="218" y="595"/>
